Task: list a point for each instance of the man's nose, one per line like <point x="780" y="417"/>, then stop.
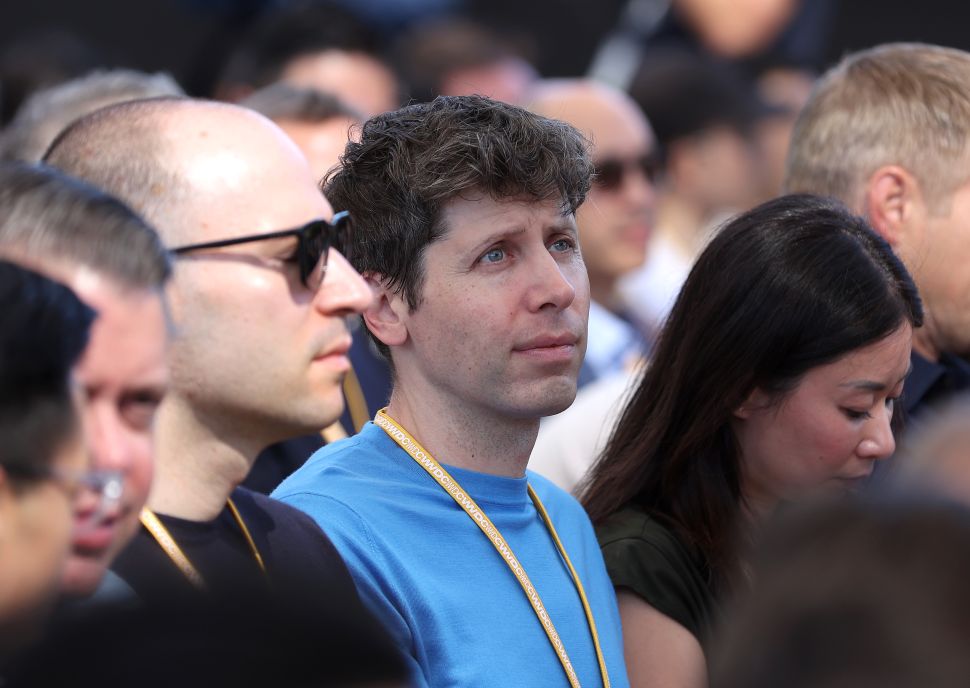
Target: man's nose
<point x="343" y="291"/>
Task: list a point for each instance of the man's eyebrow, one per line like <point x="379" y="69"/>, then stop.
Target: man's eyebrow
<point x="498" y="235"/>
<point x="873" y="385"/>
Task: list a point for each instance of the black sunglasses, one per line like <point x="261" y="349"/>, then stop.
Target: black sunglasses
<point x="610" y="173"/>
<point x="313" y="243"/>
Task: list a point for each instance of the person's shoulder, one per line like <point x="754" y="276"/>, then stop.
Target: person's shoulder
<point x="333" y="466"/>
<point x="634" y="525"/>
<point x="271" y="515"/>
<point x="284" y="526"/>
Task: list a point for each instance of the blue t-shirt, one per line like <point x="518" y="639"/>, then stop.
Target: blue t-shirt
<point x="434" y="579"/>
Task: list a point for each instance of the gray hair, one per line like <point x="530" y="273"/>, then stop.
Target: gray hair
<point x="906" y="104"/>
<point x="49" y="111"/>
<point x="49" y="216"/>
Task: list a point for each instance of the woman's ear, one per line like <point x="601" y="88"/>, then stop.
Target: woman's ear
<point x="386" y="318"/>
<point x="758" y="399"/>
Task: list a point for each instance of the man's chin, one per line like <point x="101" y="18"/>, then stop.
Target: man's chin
<point x="555" y="398"/>
<point x="82" y="574"/>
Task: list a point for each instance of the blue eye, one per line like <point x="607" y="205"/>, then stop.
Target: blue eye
<point x="494" y="255"/>
<point x="562" y="245"/>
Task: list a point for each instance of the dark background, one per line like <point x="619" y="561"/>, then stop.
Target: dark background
<point x="189" y="38"/>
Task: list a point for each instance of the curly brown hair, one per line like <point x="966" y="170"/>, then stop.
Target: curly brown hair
<point x="410" y="162"/>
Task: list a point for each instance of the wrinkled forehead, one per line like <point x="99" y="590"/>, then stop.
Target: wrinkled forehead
<point x="474" y="216"/>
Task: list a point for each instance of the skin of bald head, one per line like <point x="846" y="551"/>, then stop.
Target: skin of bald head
<point x="614" y="223"/>
<point x="258" y="356"/>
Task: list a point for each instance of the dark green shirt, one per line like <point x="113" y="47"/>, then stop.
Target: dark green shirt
<point x="648" y="558"/>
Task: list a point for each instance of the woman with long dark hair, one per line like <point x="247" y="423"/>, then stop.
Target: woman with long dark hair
<point x="775" y="374"/>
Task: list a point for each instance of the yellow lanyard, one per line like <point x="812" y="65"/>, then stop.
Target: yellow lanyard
<point x="451" y="486"/>
<point x="175" y="553"/>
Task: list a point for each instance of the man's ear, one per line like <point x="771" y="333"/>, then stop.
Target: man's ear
<point x="386" y="318"/>
<point x="892" y="201"/>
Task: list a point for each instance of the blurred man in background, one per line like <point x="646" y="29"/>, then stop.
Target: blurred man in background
<point x="887" y="131"/>
<point x="116" y="265"/>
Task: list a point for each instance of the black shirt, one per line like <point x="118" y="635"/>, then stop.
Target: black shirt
<point x="931" y="383"/>
<point x="646" y="557"/>
<point x="300" y="559"/>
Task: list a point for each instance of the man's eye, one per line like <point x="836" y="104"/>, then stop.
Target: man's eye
<point x="495" y="255"/>
<point x="562" y="245"/>
<point x="139" y="410"/>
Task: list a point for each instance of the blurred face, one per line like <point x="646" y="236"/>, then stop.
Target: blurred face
<point x="829" y="430"/>
<point x="38" y="520"/>
<point x="321" y="142"/>
<point x="616" y="220"/>
<point x="356" y="78"/>
<point x="259" y="356"/>
<point x="507" y="80"/>
<point x="124" y="376"/>
<point x="501" y="327"/>
<point x="717" y="170"/>
<point x="735" y="28"/>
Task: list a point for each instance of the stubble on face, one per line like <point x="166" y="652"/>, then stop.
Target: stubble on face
<point x="502" y="322"/>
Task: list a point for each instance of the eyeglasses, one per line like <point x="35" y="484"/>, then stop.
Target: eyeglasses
<point x="107" y="486"/>
<point x="314" y="241"/>
<point x="611" y="172"/>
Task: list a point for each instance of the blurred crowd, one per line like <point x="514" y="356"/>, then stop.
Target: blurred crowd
<point x="380" y="353"/>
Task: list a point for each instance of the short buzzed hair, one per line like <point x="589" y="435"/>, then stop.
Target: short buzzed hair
<point x="47" y="112"/>
<point x="906" y="104"/>
<point x="123" y="150"/>
<point x="49" y="216"/>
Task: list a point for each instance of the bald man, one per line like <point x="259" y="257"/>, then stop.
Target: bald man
<point x="616" y="220"/>
<point x="259" y="297"/>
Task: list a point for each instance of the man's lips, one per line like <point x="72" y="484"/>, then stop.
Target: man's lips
<point x="339" y="348"/>
<point x="94" y="536"/>
<point x="555" y="349"/>
<point x="94" y="530"/>
<point x="548" y="341"/>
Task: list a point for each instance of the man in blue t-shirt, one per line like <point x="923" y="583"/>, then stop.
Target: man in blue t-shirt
<point x="485" y="573"/>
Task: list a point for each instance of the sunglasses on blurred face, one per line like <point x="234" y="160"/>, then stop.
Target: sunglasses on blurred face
<point x="610" y="173"/>
<point x="314" y="241"/>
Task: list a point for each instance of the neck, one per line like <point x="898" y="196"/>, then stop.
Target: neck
<point x="925" y="339"/>
<point x="198" y="462"/>
<point x="457" y="435"/>
<point x="757" y="508"/>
